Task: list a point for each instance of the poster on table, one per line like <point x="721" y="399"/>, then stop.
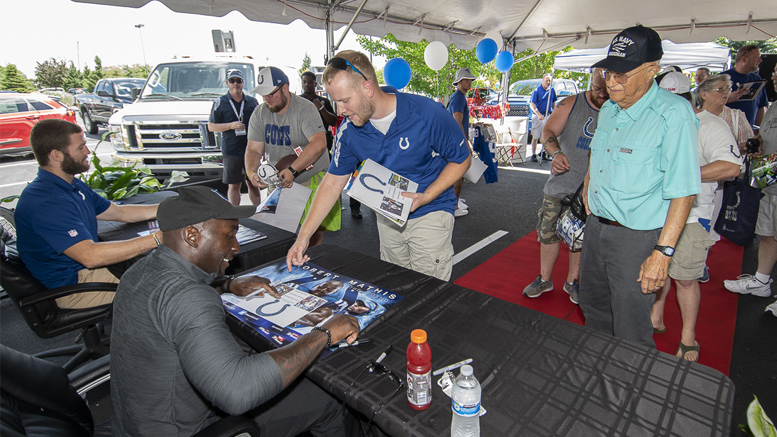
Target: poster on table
<point x="310" y="295"/>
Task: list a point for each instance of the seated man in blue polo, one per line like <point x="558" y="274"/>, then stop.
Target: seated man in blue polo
<point x="56" y="218"/>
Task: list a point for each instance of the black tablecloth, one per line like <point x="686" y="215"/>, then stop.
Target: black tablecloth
<point x="541" y="376"/>
<point x="252" y="254"/>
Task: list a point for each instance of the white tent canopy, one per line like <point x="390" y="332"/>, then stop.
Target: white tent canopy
<point x="541" y="25"/>
<point x="688" y="56"/>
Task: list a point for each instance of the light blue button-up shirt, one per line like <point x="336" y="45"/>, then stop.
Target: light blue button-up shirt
<point x="642" y="157"/>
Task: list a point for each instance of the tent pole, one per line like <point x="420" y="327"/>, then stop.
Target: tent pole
<point x="350" y="23"/>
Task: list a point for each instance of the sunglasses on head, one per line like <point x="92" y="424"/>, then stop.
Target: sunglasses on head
<point x="235" y="80"/>
<point x="343" y="64"/>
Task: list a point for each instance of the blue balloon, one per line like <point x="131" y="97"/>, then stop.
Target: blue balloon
<point x="504" y="61"/>
<point x="486" y="50"/>
<point x="396" y="73"/>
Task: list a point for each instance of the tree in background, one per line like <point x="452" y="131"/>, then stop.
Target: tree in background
<point x="135" y="70"/>
<point x="439" y="83"/>
<point x="51" y="73"/>
<point x="14" y="80"/>
<point x="73" y="78"/>
<point x="305" y="64"/>
<point x="766" y="46"/>
<point x="91" y="78"/>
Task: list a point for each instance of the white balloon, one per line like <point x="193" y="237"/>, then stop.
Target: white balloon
<point x="436" y="55"/>
<point x="496" y="36"/>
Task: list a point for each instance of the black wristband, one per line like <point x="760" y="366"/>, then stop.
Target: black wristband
<point x="328" y="335"/>
<point x="225" y="286"/>
<point x="294" y="173"/>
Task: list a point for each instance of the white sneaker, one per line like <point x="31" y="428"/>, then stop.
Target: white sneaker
<point x="748" y="284"/>
<point x="460" y="212"/>
<point x="462" y="205"/>
<point x="772" y="308"/>
<point x="462" y="200"/>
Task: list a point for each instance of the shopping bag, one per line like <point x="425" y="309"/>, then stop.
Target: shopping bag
<point x="739" y="209"/>
<point x="570" y="226"/>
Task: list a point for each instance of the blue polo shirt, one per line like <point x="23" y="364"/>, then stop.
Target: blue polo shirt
<point x="643" y="157"/>
<point x="420" y="142"/>
<point x="52" y="216"/>
<point x="749" y="107"/>
<point x="540" y="98"/>
<point x="458" y="103"/>
<point x="223" y="112"/>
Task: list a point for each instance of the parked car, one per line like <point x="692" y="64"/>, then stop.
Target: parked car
<point x="18" y="114"/>
<point x="110" y="95"/>
<point x="520" y="94"/>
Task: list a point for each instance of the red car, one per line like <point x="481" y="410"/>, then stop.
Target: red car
<point x="19" y="113"/>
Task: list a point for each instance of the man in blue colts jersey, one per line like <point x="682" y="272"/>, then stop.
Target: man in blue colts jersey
<point x="287" y="124"/>
<point x="410" y="135"/>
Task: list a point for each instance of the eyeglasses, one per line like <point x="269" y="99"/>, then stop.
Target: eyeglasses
<point x="379" y="370"/>
<point x="235" y="80"/>
<point x="343" y="64"/>
<point x="620" y="78"/>
<point x="724" y="89"/>
<point x="269" y="96"/>
<point x="598" y="90"/>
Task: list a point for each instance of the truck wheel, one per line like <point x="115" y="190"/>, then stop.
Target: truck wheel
<point x="89" y="124"/>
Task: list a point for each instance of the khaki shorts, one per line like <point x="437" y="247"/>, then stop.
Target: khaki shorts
<point x="537" y="125"/>
<point x="766" y="225"/>
<point x="90" y="298"/>
<point x="690" y="254"/>
<point x="423" y="244"/>
<point x="547" y="217"/>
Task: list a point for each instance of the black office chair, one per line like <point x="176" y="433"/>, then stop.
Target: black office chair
<point x="39" y="398"/>
<point x="40" y="311"/>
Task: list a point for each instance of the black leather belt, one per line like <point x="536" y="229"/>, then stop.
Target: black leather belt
<point x="605" y="221"/>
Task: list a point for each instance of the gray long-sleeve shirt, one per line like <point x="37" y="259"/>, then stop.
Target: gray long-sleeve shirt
<point x="175" y="366"/>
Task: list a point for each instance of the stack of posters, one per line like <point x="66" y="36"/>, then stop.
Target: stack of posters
<point x="310" y="295"/>
<point x="381" y="189"/>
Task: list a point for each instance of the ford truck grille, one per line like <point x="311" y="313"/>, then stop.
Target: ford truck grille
<point x="176" y="137"/>
<point x="518" y="110"/>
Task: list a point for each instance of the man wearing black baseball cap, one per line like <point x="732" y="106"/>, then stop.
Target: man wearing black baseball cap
<point x="176" y="367"/>
<point x="642" y="180"/>
<point x="230" y="115"/>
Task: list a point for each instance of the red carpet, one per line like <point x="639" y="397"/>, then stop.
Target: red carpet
<point x="507" y="273"/>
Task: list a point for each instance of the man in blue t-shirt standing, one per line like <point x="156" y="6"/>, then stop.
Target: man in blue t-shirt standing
<point x="542" y="103"/>
<point x="458" y="106"/>
<point x="744" y="71"/>
<point x="410" y="135"/>
<point x="228" y="116"/>
<point x="56" y="218"/>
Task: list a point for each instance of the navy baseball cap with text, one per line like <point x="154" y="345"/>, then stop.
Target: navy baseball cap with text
<point x="631" y="48"/>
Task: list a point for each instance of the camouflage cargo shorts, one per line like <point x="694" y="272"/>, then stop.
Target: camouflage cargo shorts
<point x="548" y="215"/>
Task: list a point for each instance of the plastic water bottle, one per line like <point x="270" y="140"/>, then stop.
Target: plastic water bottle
<point x="419" y="371"/>
<point x="465" y="404"/>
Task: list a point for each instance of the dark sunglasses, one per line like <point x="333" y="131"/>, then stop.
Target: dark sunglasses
<point x="343" y="64"/>
<point x="378" y="370"/>
<point x="235" y="80"/>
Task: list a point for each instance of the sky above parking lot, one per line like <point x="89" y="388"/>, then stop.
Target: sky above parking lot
<point x="36" y="30"/>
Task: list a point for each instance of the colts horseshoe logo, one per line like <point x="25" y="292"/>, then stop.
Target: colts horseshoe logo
<point x="407" y="143"/>
<point x="260" y="309"/>
<point x="363" y="180"/>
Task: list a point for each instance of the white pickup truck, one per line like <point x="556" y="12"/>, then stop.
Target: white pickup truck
<point x="166" y="128"/>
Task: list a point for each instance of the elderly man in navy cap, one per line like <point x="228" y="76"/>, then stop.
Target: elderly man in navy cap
<point x="642" y="180"/>
<point x="175" y="367"/>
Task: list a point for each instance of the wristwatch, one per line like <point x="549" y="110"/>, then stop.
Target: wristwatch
<point x="666" y="250"/>
<point x="294" y="173"/>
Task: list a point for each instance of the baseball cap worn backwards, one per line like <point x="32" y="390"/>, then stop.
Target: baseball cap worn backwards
<point x="196" y="205"/>
<point x="675" y="82"/>
<point x="268" y="79"/>
<point x="631" y="48"/>
<point x="234" y="72"/>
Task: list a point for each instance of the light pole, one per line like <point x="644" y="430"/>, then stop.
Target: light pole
<point x="143" y="46"/>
